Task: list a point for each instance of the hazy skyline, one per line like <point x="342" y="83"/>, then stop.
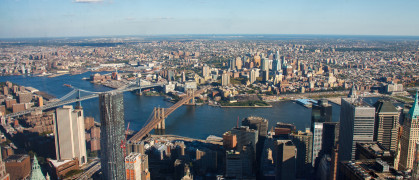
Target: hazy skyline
<point x="65" y="18"/>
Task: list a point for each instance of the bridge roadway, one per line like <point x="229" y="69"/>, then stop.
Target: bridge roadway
<point x="64" y="102"/>
<point x="152" y="121"/>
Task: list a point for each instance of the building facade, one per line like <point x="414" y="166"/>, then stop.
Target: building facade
<point x="356" y="125"/>
<point x="386" y="124"/>
<point x="410" y="135"/>
<point x="112" y="134"/>
<point x="70" y="140"/>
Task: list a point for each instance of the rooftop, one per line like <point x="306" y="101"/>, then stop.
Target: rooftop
<point x="16" y="158"/>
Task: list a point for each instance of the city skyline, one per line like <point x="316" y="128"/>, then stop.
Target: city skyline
<point x="74" y="18"/>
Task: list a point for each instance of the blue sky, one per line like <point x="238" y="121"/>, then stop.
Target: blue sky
<point x="64" y="18"/>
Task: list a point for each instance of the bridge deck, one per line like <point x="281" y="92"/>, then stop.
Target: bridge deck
<point x="64" y="102"/>
<point x="152" y="122"/>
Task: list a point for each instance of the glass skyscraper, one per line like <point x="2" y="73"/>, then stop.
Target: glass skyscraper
<point x="112" y="135"/>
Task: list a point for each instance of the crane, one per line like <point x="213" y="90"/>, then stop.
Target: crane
<point x="124" y="141"/>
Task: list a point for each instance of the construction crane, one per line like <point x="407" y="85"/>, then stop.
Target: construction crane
<point x="124" y="141"/>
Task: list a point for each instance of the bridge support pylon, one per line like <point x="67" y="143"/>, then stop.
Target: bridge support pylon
<point x="191" y="92"/>
<point x="159" y="114"/>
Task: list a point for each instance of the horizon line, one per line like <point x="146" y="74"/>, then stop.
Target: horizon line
<point x="218" y="34"/>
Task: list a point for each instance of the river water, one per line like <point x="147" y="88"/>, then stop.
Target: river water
<point x="190" y="121"/>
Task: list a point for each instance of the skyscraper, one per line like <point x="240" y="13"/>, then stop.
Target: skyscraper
<point x="112" y="135"/>
<point x="356" y="125"/>
<point x="386" y="124"/>
<point x="265" y="64"/>
<point x="320" y="113"/>
<point x="330" y="137"/>
<point x="415" y="170"/>
<point x="317" y="141"/>
<point x="276" y="64"/>
<point x="70" y="141"/>
<point x="410" y="135"/>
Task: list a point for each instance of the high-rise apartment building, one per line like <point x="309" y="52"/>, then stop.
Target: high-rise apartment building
<point x="206" y="71"/>
<point x="252" y="76"/>
<point x="225" y="79"/>
<point x="70" y="141"/>
<point x="386" y="124"/>
<point x="410" y="135"/>
<point x="112" y="134"/>
<point x="356" y="125"/>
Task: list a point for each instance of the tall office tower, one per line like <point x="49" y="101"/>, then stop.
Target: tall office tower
<point x="410" y="135"/>
<point x="284" y="159"/>
<point x="257" y="61"/>
<point x="133" y="166"/>
<point x="245" y="136"/>
<point x="276" y="65"/>
<point x="356" y="125"/>
<point x="206" y="72"/>
<point x="257" y="123"/>
<point x="239" y="63"/>
<point x="321" y="112"/>
<point x="112" y="134"/>
<point x="265" y="64"/>
<point x="70" y="141"/>
<point x="3" y="174"/>
<point x="317" y="130"/>
<point x="265" y="76"/>
<point x="252" y="76"/>
<point x="225" y="79"/>
<point x="386" y="124"/>
<point x="303" y="143"/>
<point x="415" y="170"/>
<point x="330" y="137"/>
<point x="232" y="64"/>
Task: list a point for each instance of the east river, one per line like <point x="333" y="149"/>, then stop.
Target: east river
<point x="190" y="121"/>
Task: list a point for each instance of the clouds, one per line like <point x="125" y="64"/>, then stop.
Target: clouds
<point x="88" y="1"/>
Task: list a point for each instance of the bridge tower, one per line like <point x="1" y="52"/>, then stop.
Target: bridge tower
<point x="159" y="114"/>
<point x="78" y="104"/>
<point x="139" y="85"/>
<point x="191" y="93"/>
